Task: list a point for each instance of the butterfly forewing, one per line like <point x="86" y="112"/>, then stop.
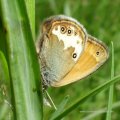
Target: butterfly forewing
<point x="60" y="48"/>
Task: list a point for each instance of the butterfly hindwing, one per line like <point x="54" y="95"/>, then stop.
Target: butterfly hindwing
<point x="94" y="55"/>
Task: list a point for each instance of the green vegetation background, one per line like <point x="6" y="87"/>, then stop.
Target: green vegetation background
<point x="102" y="20"/>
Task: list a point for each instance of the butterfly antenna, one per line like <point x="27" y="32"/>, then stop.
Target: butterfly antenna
<point x="50" y="99"/>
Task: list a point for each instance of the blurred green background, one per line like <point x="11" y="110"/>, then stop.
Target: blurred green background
<point x="102" y="20"/>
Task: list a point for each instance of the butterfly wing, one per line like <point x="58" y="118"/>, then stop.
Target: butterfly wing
<point x="57" y="46"/>
<point x="94" y="55"/>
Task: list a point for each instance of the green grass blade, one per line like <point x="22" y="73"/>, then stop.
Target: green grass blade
<point x="90" y="94"/>
<point x="23" y="62"/>
<point x="67" y="9"/>
<point x="60" y="108"/>
<point x="96" y="114"/>
<point x="30" y="4"/>
<point x="53" y="6"/>
<point x="4" y="72"/>
<point x="111" y="90"/>
<point x="5" y="92"/>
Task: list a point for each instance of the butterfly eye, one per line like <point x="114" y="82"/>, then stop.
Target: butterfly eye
<point x="74" y="55"/>
<point x="63" y="29"/>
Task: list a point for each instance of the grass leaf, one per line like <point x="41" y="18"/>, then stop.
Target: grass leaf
<point x="23" y="61"/>
<point x="90" y="94"/>
<point x="5" y="91"/>
<point x="111" y="90"/>
<point x="60" y="108"/>
<point x="94" y="115"/>
<point x="30" y="4"/>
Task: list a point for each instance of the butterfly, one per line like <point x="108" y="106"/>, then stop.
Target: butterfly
<point x="67" y="53"/>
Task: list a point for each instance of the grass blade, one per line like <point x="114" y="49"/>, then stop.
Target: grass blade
<point x="60" y="108"/>
<point x="4" y="72"/>
<point x="5" y="91"/>
<point x="90" y="94"/>
<point x="111" y="90"/>
<point x="93" y="116"/>
<point x="23" y="62"/>
<point x="30" y="4"/>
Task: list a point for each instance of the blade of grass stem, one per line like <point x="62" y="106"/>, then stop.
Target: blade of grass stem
<point x="111" y="90"/>
<point x="90" y="94"/>
<point x="30" y="4"/>
<point x="60" y="108"/>
<point x="92" y="116"/>
<point x="23" y="61"/>
<point x="5" y="91"/>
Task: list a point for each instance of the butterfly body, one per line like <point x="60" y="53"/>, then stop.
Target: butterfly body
<point x="67" y="53"/>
